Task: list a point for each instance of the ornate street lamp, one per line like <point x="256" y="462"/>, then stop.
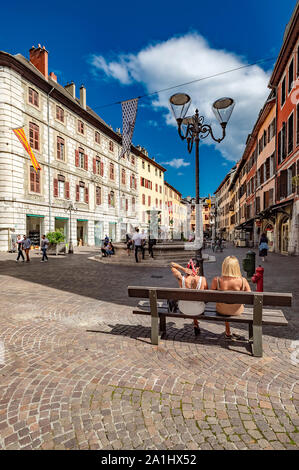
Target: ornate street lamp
<point x="193" y="129"/>
<point x="70" y="208"/>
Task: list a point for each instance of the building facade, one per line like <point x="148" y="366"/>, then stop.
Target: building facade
<point x="150" y="192"/>
<point x="78" y="155"/>
<point x="266" y="182"/>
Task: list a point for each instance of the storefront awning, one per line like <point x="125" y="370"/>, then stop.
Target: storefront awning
<point x="82" y="220"/>
<point x="34" y="215"/>
<point x="62" y="218"/>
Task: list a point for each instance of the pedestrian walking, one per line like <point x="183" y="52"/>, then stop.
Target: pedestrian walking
<point x="129" y="243"/>
<point x="151" y="243"/>
<point x="263" y="246"/>
<point x="143" y="243"/>
<point x="44" y="247"/>
<point x="137" y="239"/>
<point x="20" y="248"/>
<point x="26" y="246"/>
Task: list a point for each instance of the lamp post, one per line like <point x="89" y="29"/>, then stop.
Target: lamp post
<point x="193" y="129"/>
<point x="71" y="208"/>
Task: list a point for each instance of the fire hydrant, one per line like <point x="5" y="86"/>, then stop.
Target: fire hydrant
<point x="258" y="279"/>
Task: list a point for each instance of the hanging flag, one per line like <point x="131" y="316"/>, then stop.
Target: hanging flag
<point x="129" y="111"/>
<point x="19" y="132"/>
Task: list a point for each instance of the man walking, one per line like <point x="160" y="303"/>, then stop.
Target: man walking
<point x="26" y="246"/>
<point x="151" y="243"/>
<point x="137" y="239"/>
<point x="20" y="248"/>
<point x="44" y="247"/>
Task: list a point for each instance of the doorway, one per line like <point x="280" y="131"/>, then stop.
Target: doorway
<point x="284" y="237"/>
<point x="82" y="233"/>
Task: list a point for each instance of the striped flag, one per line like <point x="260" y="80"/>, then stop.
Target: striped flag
<point x="129" y="111"/>
<point x="19" y="132"/>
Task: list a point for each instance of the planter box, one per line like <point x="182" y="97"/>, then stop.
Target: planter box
<point x="57" y="249"/>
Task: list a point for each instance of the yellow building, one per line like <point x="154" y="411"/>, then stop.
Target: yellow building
<point x="174" y="213"/>
<point x="150" y="190"/>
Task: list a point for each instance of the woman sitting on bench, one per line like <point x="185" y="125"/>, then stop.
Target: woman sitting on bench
<point x="231" y="279"/>
<point x="191" y="281"/>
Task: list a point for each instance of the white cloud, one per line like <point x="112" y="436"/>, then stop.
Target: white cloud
<point x="186" y="58"/>
<point x="180" y="174"/>
<point x="176" y="163"/>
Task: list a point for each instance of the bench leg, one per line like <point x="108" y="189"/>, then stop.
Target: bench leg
<point x="257" y="345"/>
<point x="154" y="317"/>
<point x="162" y="325"/>
<point x="250" y="332"/>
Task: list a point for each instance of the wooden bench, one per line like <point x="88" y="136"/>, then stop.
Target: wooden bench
<point x="255" y="317"/>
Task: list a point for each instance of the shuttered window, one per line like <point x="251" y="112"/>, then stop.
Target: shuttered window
<point x="34" y="180"/>
<point x="290" y="133"/>
<point x="98" y="196"/>
<point x="34" y="136"/>
<point x="60" y="148"/>
<point x="80" y="127"/>
<point x="59" y="114"/>
<point x="284" y="141"/>
<point x="283" y="91"/>
<point x="123" y="176"/>
<point x="283" y="183"/>
<point x="291" y="75"/>
<point x="33" y="97"/>
<point x="111" y="172"/>
<point x="97" y="137"/>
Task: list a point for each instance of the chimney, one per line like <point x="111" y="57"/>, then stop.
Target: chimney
<point x="83" y="96"/>
<point x="71" y="88"/>
<point x="53" y="76"/>
<point x="39" y="58"/>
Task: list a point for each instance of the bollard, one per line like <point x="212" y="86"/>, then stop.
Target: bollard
<point x="258" y="279"/>
<point x="249" y="263"/>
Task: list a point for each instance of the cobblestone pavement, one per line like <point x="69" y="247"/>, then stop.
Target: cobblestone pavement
<point x="78" y="370"/>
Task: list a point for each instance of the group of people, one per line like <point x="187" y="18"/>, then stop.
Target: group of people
<point x="107" y="249"/>
<point x="230" y="280"/>
<point x="138" y="243"/>
<point x="24" y="244"/>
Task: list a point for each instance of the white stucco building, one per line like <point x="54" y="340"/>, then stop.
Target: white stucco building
<point x="78" y="154"/>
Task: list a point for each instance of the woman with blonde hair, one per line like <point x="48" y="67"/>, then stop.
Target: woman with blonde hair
<point x="230" y="279"/>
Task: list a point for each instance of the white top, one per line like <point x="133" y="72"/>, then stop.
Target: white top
<point x="137" y="239"/>
<point x="198" y="284"/>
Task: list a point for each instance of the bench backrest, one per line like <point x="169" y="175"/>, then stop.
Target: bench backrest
<point x="229" y="297"/>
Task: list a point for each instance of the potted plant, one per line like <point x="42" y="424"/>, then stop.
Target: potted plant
<point x="56" y="241"/>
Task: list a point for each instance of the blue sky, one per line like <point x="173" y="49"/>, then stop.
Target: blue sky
<point x="120" y="50"/>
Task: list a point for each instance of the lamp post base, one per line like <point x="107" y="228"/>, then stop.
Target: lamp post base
<point x="71" y="248"/>
<point x="199" y="259"/>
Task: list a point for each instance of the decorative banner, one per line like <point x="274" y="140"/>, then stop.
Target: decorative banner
<point x="19" y="132"/>
<point x="129" y="111"/>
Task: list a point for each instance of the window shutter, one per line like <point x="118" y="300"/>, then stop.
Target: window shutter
<point x="37" y="186"/>
<point x="127" y="205"/>
<point x="94" y="165"/>
<point x="102" y="169"/>
<point x="283" y="183"/>
<point x="293" y="175"/>
<point x="76" y="157"/>
<point x="67" y="190"/>
<point x="77" y="193"/>
<point x="86" y="195"/>
<point x="85" y="162"/>
<point x="55" y="187"/>
<point x="278" y="188"/>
